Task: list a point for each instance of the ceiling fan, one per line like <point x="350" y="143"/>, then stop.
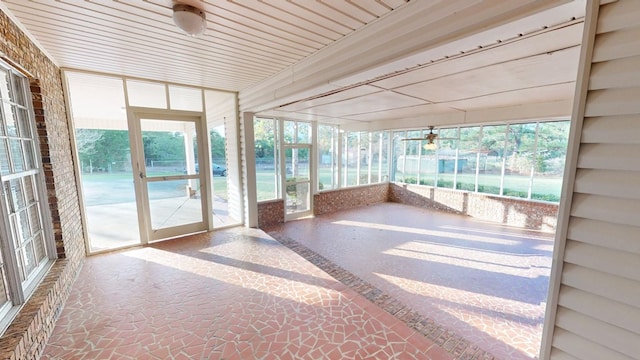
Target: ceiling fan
<point x="429" y="137"/>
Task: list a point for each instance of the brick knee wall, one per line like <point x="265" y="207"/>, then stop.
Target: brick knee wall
<point x="27" y="334"/>
<point x="349" y="198"/>
<point x="527" y="214"/>
<point x="270" y="213"/>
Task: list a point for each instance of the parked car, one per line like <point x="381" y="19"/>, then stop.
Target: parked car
<point x="215" y="169"/>
<point x="218" y="170"/>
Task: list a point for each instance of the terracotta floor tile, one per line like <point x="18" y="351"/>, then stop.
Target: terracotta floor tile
<point x="484" y="282"/>
<point x="233" y="294"/>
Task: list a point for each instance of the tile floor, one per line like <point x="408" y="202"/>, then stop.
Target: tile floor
<point x="482" y="282"/>
<point x="233" y="294"/>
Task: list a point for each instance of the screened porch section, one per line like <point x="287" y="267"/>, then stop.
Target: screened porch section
<point x="142" y="148"/>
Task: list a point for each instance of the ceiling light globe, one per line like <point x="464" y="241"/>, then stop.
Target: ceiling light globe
<point x="190" y="19"/>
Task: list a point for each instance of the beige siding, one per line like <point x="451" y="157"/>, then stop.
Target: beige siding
<point x="594" y="310"/>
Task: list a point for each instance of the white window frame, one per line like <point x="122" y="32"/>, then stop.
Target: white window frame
<point x="19" y="291"/>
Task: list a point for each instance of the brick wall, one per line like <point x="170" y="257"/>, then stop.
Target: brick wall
<point x="26" y="336"/>
<point x="270" y="213"/>
<point x="534" y="215"/>
<point x="343" y="199"/>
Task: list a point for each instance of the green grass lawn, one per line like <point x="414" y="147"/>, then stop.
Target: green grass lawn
<point x="543" y="188"/>
<point x="102" y="188"/>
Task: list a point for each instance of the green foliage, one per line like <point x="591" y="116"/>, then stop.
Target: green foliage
<point x="100" y="149"/>
<point x="466" y="186"/>
<point x="163" y="145"/>
<point x="218" y="143"/>
<point x="264" y="132"/>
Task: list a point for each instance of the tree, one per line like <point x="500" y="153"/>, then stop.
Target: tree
<point x="265" y="133"/>
<point x="86" y="140"/>
<point x="217" y="145"/>
<point x="102" y="148"/>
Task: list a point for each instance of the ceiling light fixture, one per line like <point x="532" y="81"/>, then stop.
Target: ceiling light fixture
<point x="190" y="19"/>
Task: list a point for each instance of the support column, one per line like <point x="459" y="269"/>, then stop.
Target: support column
<point x="251" y="194"/>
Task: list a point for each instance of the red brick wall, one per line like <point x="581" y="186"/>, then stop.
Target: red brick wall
<point x="26" y="336"/>
<point x="270" y="213"/>
<point x="534" y="215"/>
<point x="343" y="199"/>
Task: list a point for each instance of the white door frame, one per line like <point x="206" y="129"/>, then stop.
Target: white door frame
<point x="135" y="114"/>
<point x="309" y="181"/>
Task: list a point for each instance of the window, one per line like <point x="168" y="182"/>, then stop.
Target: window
<point x="427" y="161"/>
<point x="551" y="153"/>
<point x="350" y="156"/>
<point x="365" y="158"/>
<point x="467" y="158"/>
<point x="327" y="157"/>
<point x="524" y="160"/>
<point x="521" y="139"/>
<point x="491" y="160"/>
<point x="25" y="240"/>
<point x="364" y="162"/>
<point x="267" y="157"/>
<point x="447" y="155"/>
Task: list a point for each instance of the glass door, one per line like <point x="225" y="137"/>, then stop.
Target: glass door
<point x="172" y="185"/>
<point x="297" y="181"/>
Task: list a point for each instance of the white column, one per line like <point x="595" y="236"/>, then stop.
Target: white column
<point x="251" y="194"/>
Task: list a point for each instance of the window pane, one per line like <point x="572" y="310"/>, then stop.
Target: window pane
<point x="519" y="159"/>
<point x="427" y="160"/>
<point x="491" y="159"/>
<point x="2" y="122"/>
<point x="185" y="98"/>
<point x="29" y="159"/>
<point x="4" y="84"/>
<point x="17" y="155"/>
<point x="165" y="150"/>
<point x="468" y="158"/>
<point x="374" y="159"/>
<point x="98" y="102"/>
<point x="146" y="94"/>
<point x="38" y="245"/>
<point x="220" y="199"/>
<point x="4" y="157"/>
<point x="412" y="157"/>
<point x="447" y="153"/>
<point x="29" y="189"/>
<point x="102" y="141"/>
<point x="327" y="137"/>
<point x="4" y="288"/>
<point x="266" y="165"/>
<point x="297" y="164"/>
<point x="397" y="153"/>
<point x="551" y="154"/>
<point x="34" y="218"/>
<point x="304" y="133"/>
<point x="297" y="197"/>
<point x="30" y="262"/>
<point x="24" y="228"/>
<point x="384" y="156"/>
<point x="170" y="205"/>
<point x="363" y="155"/>
<point x="289" y="132"/>
<point x="22" y="120"/>
<point x="351" y="156"/>
<point x="10" y="119"/>
<point x="16" y="192"/>
<point x="17" y="94"/>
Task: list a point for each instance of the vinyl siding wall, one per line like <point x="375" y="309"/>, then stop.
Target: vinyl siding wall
<point x="594" y="307"/>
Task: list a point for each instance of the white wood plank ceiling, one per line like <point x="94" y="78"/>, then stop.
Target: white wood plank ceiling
<point x="270" y="50"/>
<point x="246" y="40"/>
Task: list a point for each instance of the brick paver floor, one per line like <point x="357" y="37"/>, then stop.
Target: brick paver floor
<point x="232" y="294"/>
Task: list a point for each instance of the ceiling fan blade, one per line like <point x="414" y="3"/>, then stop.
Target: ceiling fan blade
<point x="413" y="139"/>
